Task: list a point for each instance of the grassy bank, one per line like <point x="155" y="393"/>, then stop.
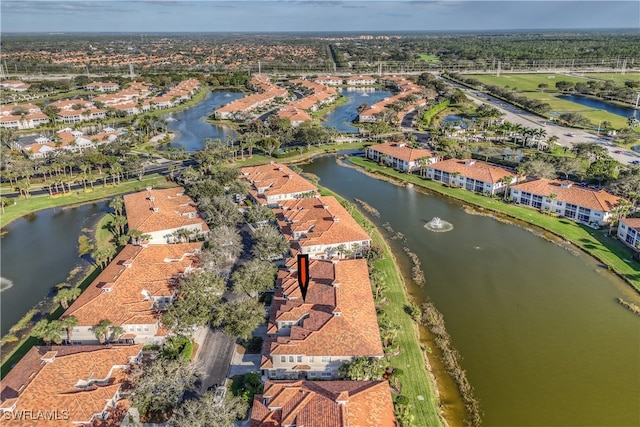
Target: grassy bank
<point x="35" y="203"/>
<point x="596" y="243"/>
<point x="412" y="359"/>
<point x="261" y="159"/>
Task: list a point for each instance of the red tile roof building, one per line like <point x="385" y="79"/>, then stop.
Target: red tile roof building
<point x="132" y="291"/>
<point x="324" y="403"/>
<point x="335" y="323"/>
<point x="163" y="213"/>
<point x="273" y="183"/>
<point x="629" y="232"/>
<point x="68" y="386"/>
<point x="400" y="156"/>
<point x="472" y="175"/>
<point x="321" y="227"/>
<point x="572" y="201"/>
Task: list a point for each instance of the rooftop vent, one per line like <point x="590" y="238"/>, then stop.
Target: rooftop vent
<point x="566" y="184"/>
<point x="156" y="209"/>
<point x="49" y="356"/>
<point x="469" y="162"/>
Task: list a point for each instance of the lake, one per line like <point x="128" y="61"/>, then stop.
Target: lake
<point x="619" y="110"/>
<point x="342" y="116"/>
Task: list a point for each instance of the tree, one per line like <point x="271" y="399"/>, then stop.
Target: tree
<point x="117" y="204"/>
<point x="48" y="331"/>
<point x="363" y="369"/>
<point x="622" y="209"/>
<point x="254" y="277"/>
<point x="64" y="296"/>
<point x="116" y="333"/>
<point x="209" y="410"/>
<point x="269" y="243"/>
<point x="569" y="165"/>
<point x="239" y="318"/>
<point x="258" y="214"/>
<point x="590" y="151"/>
<point x="220" y="211"/>
<point x="551" y="197"/>
<point x="269" y="145"/>
<point x="69" y="323"/>
<point x="506" y="181"/>
<point x="626" y="136"/>
<point x="119" y="223"/>
<point x="101" y="330"/>
<point x="199" y="292"/>
<point x="223" y="246"/>
<point x="163" y="385"/>
<point x="539" y="168"/>
<point x="603" y="170"/>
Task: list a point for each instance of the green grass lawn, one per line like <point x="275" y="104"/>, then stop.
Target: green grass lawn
<point x="36" y="203"/>
<point x="429" y="58"/>
<point x="597" y="243"/>
<point x="524" y="82"/>
<point x="416" y="380"/>
<point x="616" y="77"/>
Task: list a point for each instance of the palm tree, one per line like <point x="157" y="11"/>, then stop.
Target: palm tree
<point x="117" y="204"/>
<point x="506" y="181"/>
<point x="48" y="331"/>
<point x="622" y="209"/>
<point x="64" y="296"/>
<point x="69" y="323"/>
<point x="119" y="222"/>
<point x="551" y="197"/>
<point x="101" y="330"/>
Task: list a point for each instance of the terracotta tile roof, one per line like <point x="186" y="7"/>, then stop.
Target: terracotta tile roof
<point x="571" y="193"/>
<point x="274" y="180"/>
<point x="321" y="220"/>
<point x="173" y="210"/>
<point x="117" y="293"/>
<point x="402" y="151"/>
<point x="633" y="223"/>
<point x="324" y="404"/>
<point x="480" y="171"/>
<point x="338" y="317"/>
<point x="48" y="379"/>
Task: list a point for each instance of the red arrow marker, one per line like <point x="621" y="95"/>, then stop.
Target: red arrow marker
<point x="303" y="274"/>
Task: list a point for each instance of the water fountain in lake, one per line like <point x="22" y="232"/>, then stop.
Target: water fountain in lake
<point x="5" y="284"/>
<point x="438" y="226"/>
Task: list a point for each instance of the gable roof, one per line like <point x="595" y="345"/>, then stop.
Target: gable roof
<point x="402" y="151"/>
<point x="274" y="180"/>
<point x="633" y="223"/>
<point x="173" y="210"/>
<point x="48" y="379"/>
<point x="324" y="404"/>
<point x="598" y="200"/>
<point x="338" y="317"/>
<point x="322" y="220"/>
<point x="123" y="293"/>
<point x="474" y="169"/>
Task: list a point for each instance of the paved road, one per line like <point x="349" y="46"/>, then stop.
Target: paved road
<point x="214" y="356"/>
<point x="516" y="115"/>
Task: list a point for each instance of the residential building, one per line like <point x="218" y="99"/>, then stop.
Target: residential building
<point x="14" y="85"/>
<point x="103" y="86"/>
<point x="165" y="215"/>
<point x="132" y="291"/>
<point x="273" y="183"/>
<point x="629" y="232"/>
<point x="312" y="337"/>
<point x="22" y="116"/>
<point x="324" y="403"/>
<point x="360" y="81"/>
<point x="294" y="115"/>
<point x="400" y="156"/>
<point x="565" y="198"/>
<point x="321" y="228"/>
<point x="329" y="80"/>
<point x="70" y="386"/>
<point x="472" y="175"/>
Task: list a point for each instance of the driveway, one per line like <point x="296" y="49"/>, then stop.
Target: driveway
<point x="214" y="356"/>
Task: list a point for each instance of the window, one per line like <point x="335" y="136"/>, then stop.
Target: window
<point x="146" y="328"/>
<point x="131" y="328"/>
<point x="299" y="359"/>
<point x="311" y="359"/>
<point x="139" y="328"/>
<point x="326" y="374"/>
<point x="290" y="359"/>
<point x="326" y="359"/>
<point x="283" y="359"/>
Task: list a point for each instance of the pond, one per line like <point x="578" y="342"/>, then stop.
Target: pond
<point x="190" y="125"/>
<point x="587" y="101"/>
<point x="342" y="116"/>
<point x="38" y="252"/>
<point x="542" y="339"/>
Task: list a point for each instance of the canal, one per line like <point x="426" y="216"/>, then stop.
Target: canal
<point x="341" y="117"/>
<point x="542" y="339"/>
<point x="38" y="252"/>
<point x="190" y="125"/>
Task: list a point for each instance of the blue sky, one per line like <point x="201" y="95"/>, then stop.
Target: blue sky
<point x="311" y="15"/>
